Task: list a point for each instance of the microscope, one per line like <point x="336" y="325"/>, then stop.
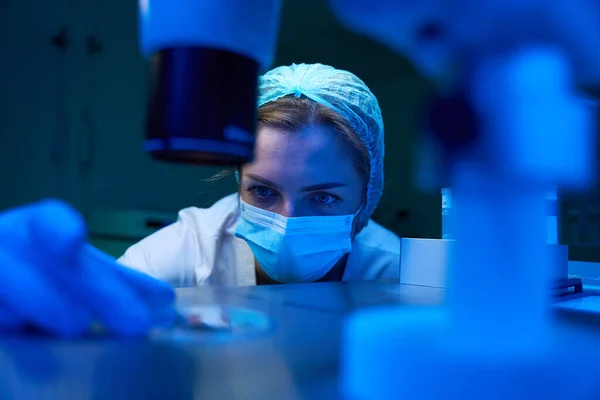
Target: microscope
<point x="510" y="120"/>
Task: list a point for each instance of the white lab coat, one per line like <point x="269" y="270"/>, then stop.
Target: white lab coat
<point x="201" y="247"/>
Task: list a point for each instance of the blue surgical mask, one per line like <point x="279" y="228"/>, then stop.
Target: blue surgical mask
<point x="293" y="250"/>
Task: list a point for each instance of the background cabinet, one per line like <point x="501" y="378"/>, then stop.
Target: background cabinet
<point x="35" y="102"/>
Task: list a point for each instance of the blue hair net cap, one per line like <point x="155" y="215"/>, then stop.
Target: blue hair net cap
<point x="344" y="93"/>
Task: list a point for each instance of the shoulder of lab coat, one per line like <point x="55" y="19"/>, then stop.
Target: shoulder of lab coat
<point x="375" y="255"/>
<point x="175" y="253"/>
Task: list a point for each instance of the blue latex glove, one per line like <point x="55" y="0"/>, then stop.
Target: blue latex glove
<point x="52" y="279"/>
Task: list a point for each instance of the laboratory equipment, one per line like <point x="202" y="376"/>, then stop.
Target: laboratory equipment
<point x="447" y="214"/>
<point x="205" y="60"/>
<point x="515" y="85"/>
<point x="552" y="216"/>
<point x="424" y="262"/>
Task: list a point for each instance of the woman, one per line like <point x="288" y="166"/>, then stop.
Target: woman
<point x="304" y="203"/>
<point x="302" y="214"/>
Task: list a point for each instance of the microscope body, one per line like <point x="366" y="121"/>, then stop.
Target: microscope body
<point x="205" y="58"/>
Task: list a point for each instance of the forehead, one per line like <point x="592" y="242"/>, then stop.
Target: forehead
<point x="312" y="153"/>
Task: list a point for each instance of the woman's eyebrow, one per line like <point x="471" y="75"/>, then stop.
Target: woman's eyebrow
<point x="311" y="188"/>
<point x="262" y="180"/>
<point x="323" y="186"/>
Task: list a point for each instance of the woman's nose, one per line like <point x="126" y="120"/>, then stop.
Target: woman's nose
<point x="289" y="209"/>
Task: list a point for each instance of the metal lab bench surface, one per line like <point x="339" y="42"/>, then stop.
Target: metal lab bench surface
<point x="298" y="358"/>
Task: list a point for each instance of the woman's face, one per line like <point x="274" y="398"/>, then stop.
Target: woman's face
<point x="304" y="173"/>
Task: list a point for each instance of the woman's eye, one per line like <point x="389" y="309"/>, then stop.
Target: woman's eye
<point x="324" y="199"/>
<point x="262" y="191"/>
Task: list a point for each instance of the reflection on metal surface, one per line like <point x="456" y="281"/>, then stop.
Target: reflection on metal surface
<point x="215" y="323"/>
<point x="222" y="318"/>
<point x="414" y="294"/>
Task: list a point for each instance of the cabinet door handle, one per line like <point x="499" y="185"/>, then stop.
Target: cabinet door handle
<point x="61" y="39"/>
<point x="93" y="45"/>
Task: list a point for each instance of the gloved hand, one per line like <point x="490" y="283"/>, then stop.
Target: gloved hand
<point x="50" y="278"/>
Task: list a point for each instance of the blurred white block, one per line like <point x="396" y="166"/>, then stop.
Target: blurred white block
<point x="425" y="261"/>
